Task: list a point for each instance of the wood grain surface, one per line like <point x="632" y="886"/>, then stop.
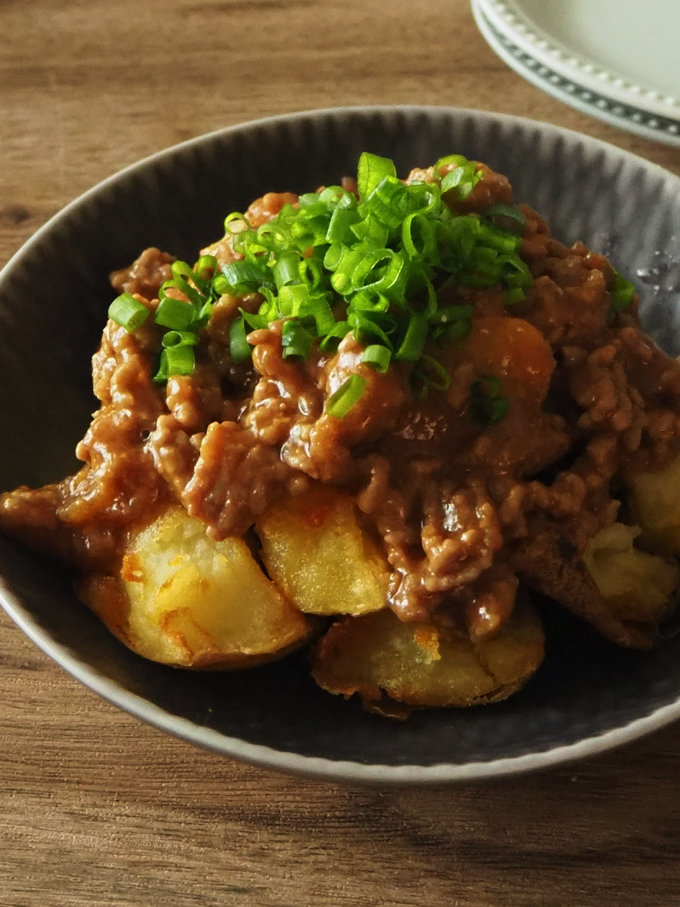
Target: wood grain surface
<point x="97" y="809"/>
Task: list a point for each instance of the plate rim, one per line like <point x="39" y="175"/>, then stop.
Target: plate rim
<point x="341" y="770"/>
<point x="591" y="95"/>
<point x="509" y="16"/>
<point x="345" y="771"/>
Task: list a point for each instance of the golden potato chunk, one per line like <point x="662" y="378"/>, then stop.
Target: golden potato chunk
<point x="317" y="552"/>
<point x="425" y="665"/>
<point x="655" y="499"/>
<point x="184" y="599"/>
<point x="638" y="584"/>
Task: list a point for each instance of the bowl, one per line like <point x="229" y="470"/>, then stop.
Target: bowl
<point x="587" y="697"/>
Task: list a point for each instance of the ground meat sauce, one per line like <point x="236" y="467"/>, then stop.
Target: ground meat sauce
<point x="464" y="511"/>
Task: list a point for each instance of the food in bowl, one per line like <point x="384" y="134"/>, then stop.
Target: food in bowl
<point x="368" y="420"/>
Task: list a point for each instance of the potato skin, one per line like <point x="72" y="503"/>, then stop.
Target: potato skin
<point x="183" y="599"/>
<point x="317" y="552"/>
<point x="423" y="665"/>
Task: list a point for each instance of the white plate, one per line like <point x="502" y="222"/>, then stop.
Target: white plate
<point x="617" y="60"/>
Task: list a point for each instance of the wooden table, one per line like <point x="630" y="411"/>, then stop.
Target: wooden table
<point x="97" y="809"/>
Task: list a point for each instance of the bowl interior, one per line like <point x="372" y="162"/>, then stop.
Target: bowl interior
<point x="53" y="300"/>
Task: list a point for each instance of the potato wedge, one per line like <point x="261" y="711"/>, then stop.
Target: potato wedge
<point x="184" y="599"/>
<point x="655" y="500"/>
<point x="547" y="562"/>
<point x="317" y="552"/>
<point x="639" y="585"/>
<point x="422" y="665"/>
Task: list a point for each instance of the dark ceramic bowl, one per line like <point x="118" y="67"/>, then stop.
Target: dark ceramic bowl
<point x="588" y="696"/>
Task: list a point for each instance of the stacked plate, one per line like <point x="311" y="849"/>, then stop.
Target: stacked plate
<point x="614" y="59"/>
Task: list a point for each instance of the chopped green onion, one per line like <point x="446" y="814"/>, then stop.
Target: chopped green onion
<point x="185" y="288"/>
<point x="372" y="231"/>
<point x="514" y="272"/>
<point x="341" y="281"/>
<point x="457" y="184"/>
<point x="512" y="297"/>
<point x="346" y="396"/>
<point x="452" y="313"/>
<point x="320" y="311"/>
<point x="311" y="204"/>
<point x="366" y="329"/>
<point x="414" y="224"/>
<point x="377" y="357"/>
<point x="310" y="272"/>
<point x="239" y="348"/>
<point x="128" y="312"/>
<point x="175" y="314"/>
<point x="457" y="160"/>
<point x="372" y="262"/>
<point x="331" y="194"/>
<point x="458" y="330"/>
<point x="179" y="338"/>
<point x="257" y="322"/>
<point x="372" y="169"/>
<point x="506" y="217"/>
<point x="201" y="320"/>
<point x="499" y="239"/>
<point x="292" y="298"/>
<point x="369" y="301"/>
<point x="332" y="339"/>
<point x="487" y="404"/>
<point x="414" y="340"/>
<point x="424" y="301"/>
<point x="176" y="360"/>
<point x="434" y="373"/>
<point x="296" y="341"/>
<point x="379" y="271"/>
<point x="287" y="269"/>
<point x="339" y="228"/>
<point x="206" y="267"/>
<point x="236" y="223"/>
<point x="244" y="276"/>
<point x="622" y="293"/>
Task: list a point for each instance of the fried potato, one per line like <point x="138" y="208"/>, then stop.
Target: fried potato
<point x="655" y="500"/>
<point x="319" y="555"/>
<point x="184" y="599"/>
<point x="422" y="665"/>
<point x="638" y="584"/>
<point x="547" y="562"/>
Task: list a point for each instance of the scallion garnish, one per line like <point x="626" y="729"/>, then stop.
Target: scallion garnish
<point x="176" y="360"/>
<point x="128" y="312"/>
<point x="367" y="263"/>
<point x="296" y="340"/>
<point x="487" y="403"/>
<point x="377" y="357"/>
<point x="179" y="338"/>
<point x="412" y="345"/>
<point x="343" y="399"/>
<point x="373" y="169"/>
<point x="457" y="184"/>
<point x="239" y="349"/>
<point x="506" y="217"/>
<point x="512" y="297"/>
<point x="434" y="372"/>
<point x="175" y="314"/>
<point x="429" y="373"/>
<point x="622" y="293"/>
<point x="331" y="341"/>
